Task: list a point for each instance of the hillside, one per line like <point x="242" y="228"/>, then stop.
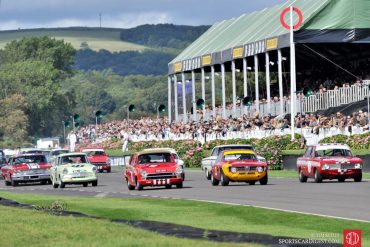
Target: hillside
<point x="143" y="50"/>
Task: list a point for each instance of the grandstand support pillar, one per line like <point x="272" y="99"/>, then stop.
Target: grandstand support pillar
<point x="169" y="100"/>
<point x="293" y="83"/>
<point x="176" y="105"/>
<point x="233" y="79"/>
<point x="184" y="117"/>
<point x="268" y="82"/>
<point x="281" y="92"/>
<point x="256" y="83"/>
<point x="213" y="91"/>
<point x="245" y="80"/>
<point x="193" y="96"/>
<point x="204" y="93"/>
<point x="223" y="91"/>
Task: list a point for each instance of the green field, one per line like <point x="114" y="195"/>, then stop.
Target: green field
<point x="96" y="39"/>
<point x="209" y="216"/>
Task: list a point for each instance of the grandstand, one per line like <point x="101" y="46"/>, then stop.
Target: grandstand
<point x="332" y="57"/>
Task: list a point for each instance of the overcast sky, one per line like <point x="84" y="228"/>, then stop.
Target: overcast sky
<point x="24" y="14"/>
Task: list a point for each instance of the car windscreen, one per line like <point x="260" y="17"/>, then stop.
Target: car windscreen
<point x="73" y="159"/>
<point x="155" y="158"/>
<point x="240" y="156"/>
<point x="220" y="149"/>
<point x="333" y="152"/>
<point x="92" y="153"/>
<point x="29" y="159"/>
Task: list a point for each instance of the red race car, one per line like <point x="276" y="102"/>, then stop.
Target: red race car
<point x="153" y="168"/>
<point x="98" y="157"/>
<point x="329" y="161"/>
<point x="24" y="168"/>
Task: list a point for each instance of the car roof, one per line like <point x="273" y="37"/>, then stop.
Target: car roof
<point x="238" y="151"/>
<point x="153" y="152"/>
<point x="92" y="149"/>
<point x="331" y="146"/>
<point x="70" y="154"/>
<point x="59" y="149"/>
<point x="27" y="154"/>
<point x="233" y="145"/>
<point x="160" y="149"/>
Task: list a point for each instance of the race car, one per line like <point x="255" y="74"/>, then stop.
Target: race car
<point x="153" y="168"/>
<point x="26" y="168"/>
<point x="329" y="161"/>
<point x="98" y="158"/>
<point x="238" y="166"/>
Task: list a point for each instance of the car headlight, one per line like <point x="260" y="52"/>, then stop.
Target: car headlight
<point x="260" y="169"/>
<point x="108" y="161"/>
<point x="94" y="169"/>
<point x="65" y="171"/>
<point x="358" y="166"/>
<point x="233" y="169"/>
<point x="325" y="167"/>
<point x="179" y="170"/>
<point x="143" y="174"/>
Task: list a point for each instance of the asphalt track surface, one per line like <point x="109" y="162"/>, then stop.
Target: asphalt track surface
<point x="347" y="200"/>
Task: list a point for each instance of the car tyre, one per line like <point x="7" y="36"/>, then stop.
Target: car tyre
<point x="109" y="170"/>
<point x="138" y="186"/>
<point x="14" y="183"/>
<point x="208" y="174"/>
<point x="43" y="182"/>
<point x="224" y="180"/>
<point x="129" y="186"/>
<point x="264" y="180"/>
<point x="179" y="185"/>
<point x="55" y="185"/>
<point x="62" y="185"/>
<point x="168" y="186"/>
<point x="251" y="182"/>
<point x="318" y="176"/>
<point x="214" y="181"/>
<point x="7" y="183"/>
<point x="302" y="177"/>
<point x="358" y="178"/>
<point x="341" y="180"/>
<point x="84" y="184"/>
<point x="94" y="183"/>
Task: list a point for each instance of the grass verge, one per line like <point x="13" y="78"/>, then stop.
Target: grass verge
<point x="204" y="215"/>
<point x="24" y="227"/>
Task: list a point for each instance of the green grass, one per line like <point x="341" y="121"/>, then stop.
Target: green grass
<point x="108" y="39"/>
<point x="24" y="227"/>
<point x="204" y="215"/>
<point x="293" y="152"/>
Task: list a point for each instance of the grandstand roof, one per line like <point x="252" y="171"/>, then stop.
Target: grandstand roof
<point x="325" y="21"/>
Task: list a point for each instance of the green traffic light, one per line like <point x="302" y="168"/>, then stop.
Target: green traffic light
<point x="162" y="108"/>
<point x="200" y="103"/>
<point x="66" y="123"/>
<point x="131" y="108"/>
<point x="76" y="118"/>
<point x="247" y="101"/>
<point x="99" y="114"/>
<point x="77" y="125"/>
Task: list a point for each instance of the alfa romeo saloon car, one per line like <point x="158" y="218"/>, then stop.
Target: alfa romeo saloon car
<point x="26" y="168"/>
<point x="209" y="161"/>
<point x="153" y="168"/>
<point x="73" y="168"/>
<point x="238" y="166"/>
<point x="99" y="158"/>
<point x="329" y="161"/>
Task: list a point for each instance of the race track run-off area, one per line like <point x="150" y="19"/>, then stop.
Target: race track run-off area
<point x="347" y="200"/>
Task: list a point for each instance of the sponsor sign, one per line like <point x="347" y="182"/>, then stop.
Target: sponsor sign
<point x="254" y="48"/>
<point x="178" y="67"/>
<point x="272" y="44"/>
<point x="238" y="52"/>
<point x="352" y="238"/>
<point x="206" y="60"/>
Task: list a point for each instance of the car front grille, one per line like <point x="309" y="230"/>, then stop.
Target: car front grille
<point x="246" y="168"/>
<point x="161" y="175"/>
<point x="99" y="164"/>
<point x="347" y="166"/>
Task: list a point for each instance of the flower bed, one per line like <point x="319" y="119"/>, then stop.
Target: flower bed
<point x="355" y="141"/>
<point x="192" y="152"/>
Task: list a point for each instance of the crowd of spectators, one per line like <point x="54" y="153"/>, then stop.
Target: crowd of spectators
<point x="161" y="129"/>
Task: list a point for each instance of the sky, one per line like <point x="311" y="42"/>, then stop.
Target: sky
<point x="26" y="14"/>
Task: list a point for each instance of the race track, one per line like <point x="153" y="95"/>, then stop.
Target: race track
<point x="344" y="200"/>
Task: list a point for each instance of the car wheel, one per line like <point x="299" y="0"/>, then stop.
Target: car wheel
<point x="14" y="183"/>
<point x="168" y="186"/>
<point x="129" y="186"/>
<point x="264" y="180"/>
<point x="94" y="183"/>
<point x="7" y="183"/>
<point x="318" y="177"/>
<point x="138" y="186"/>
<point x="214" y="181"/>
<point x="183" y="177"/>
<point x="84" y="184"/>
<point x="43" y="182"/>
<point x="252" y="182"/>
<point x="224" y="180"/>
<point x="62" y="185"/>
<point x="341" y="180"/>
<point x="302" y="177"/>
<point x="179" y="185"/>
<point x="54" y="184"/>
<point x="208" y="174"/>
<point x="358" y="178"/>
<point x="109" y="170"/>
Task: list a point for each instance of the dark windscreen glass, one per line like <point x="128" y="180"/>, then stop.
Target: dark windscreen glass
<point x="29" y="159"/>
<point x="155" y="158"/>
<point x="333" y="152"/>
